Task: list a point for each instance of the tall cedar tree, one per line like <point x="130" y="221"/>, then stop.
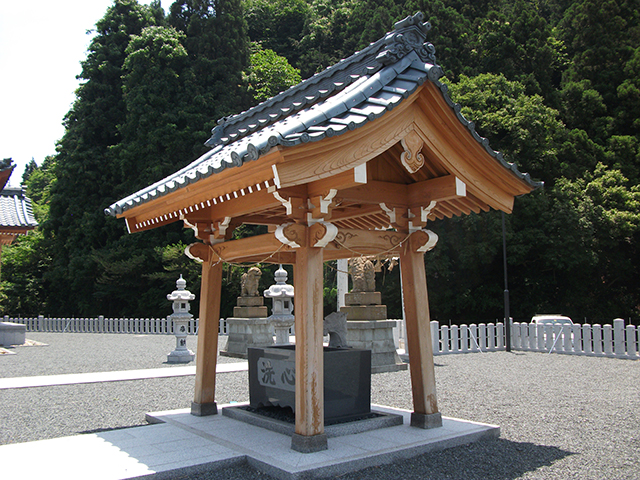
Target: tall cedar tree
<point x="218" y="47"/>
<point x="87" y="174"/>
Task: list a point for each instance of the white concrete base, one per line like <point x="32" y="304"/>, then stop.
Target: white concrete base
<point x="271" y="452"/>
<point x="190" y="444"/>
<point x="12" y="334"/>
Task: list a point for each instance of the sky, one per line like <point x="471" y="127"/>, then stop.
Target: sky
<point x="42" y="43"/>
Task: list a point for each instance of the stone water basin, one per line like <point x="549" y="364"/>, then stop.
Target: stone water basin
<point x="347" y="380"/>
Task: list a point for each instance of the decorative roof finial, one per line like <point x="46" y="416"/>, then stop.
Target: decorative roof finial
<point x="217" y="133"/>
<point x="408" y="36"/>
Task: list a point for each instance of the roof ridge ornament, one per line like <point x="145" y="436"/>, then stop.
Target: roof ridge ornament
<point x="217" y="133"/>
<point x="408" y="35"/>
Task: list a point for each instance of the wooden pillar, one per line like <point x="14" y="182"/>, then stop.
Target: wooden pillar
<point x="207" y="353"/>
<point x="309" y="433"/>
<point x="416" y="304"/>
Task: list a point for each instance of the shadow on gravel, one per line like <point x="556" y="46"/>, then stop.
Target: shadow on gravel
<point x="496" y="459"/>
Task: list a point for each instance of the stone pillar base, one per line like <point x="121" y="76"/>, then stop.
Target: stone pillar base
<point x="420" y="420"/>
<point x="309" y="444"/>
<point x="244" y="333"/>
<point x="181" y="356"/>
<point x="377" y="336"/>
<point x="204" y="409"/>
<point x="12" y="333"/>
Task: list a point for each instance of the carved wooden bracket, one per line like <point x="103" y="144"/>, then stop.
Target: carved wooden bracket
<point x="291" y="234"/>
<point x="412" y="158"/>
<point x="198" y="252"/>
<point x="321" y="233"/>
<point x="391" y="213"/>
<point x="193" y="227"/>
<point x="398" y="217"/>
<point x="218" y="234"/>
<point x="423" y="240"/>
<point x="322" y="205"/>
<point x="418" y="216"/>
<point x="294" y="205"/>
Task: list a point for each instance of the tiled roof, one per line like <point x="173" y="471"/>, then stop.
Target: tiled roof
<point x="343" y="97"/>
<point x="15" y="209"/>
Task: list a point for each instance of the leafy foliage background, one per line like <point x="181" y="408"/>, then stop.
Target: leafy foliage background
<point x="553" y="84"/>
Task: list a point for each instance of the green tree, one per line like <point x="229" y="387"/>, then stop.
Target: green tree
<point x="86" y="172"/>
<point x="601" y="37"/>
<point x="29" y="169"/>
<point x="278" y="25"/>
<point x="269" y="74"/>
<point x="218" y="48"/>
<point x="162" y="132"/>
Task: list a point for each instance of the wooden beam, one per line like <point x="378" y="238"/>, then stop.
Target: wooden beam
<point x="416" y="304"/>
<point x="375" y="192"/>
<point x="414" y="194"/>
<point x="207" y="354"/>
<point x="250" y="247"/>
<point x="285" y="258"/>
<point x="436" y="189"/>
<point x="347" y="179"/>
<point x="346" y="213"/>
<point x="309" y="433"/>
<point x="366" y="242"/>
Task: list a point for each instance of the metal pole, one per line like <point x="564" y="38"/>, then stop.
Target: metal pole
<point x="507" y="316"/>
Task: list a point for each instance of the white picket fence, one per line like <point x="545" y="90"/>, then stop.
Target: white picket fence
<point x="594" y="340"/>
<point x="149" y="326"/>
<point x="467" y="338"/>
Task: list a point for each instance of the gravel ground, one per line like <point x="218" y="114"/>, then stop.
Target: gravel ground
<point x="561" y="416"/>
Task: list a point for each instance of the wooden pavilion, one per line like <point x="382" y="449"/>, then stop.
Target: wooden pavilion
<point x="352" y="161"/>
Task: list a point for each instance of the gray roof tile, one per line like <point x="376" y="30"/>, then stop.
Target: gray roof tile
<point x="343" y="97"/>
<point x="15" y="209"/>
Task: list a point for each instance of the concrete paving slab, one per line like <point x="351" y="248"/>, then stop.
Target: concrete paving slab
<point x="187" y="442"/>
<point x="119" y="376"/>
<point x="271" y="452"/>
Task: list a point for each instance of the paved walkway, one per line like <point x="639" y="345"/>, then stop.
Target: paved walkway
<point x="76" y="378"/>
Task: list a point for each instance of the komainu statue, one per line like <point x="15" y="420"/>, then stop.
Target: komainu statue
<point x="249" y="282"/>
<point x="362" y="274"/>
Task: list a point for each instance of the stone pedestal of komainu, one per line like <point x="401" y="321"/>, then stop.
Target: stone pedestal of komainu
<point x="249" y="326"/>
<point x="367" y="324"/>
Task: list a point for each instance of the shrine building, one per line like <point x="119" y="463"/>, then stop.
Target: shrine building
<point x="16" y="214"/>
<point x="352" y="161"/>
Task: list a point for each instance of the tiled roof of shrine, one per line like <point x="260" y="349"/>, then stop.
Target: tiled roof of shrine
<point x="344" y="97"/>
<point x="15" y="210"/>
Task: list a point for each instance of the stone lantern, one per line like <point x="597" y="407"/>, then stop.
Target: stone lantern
<point x="281" y="296"/>
<point x="180" y="319"/>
